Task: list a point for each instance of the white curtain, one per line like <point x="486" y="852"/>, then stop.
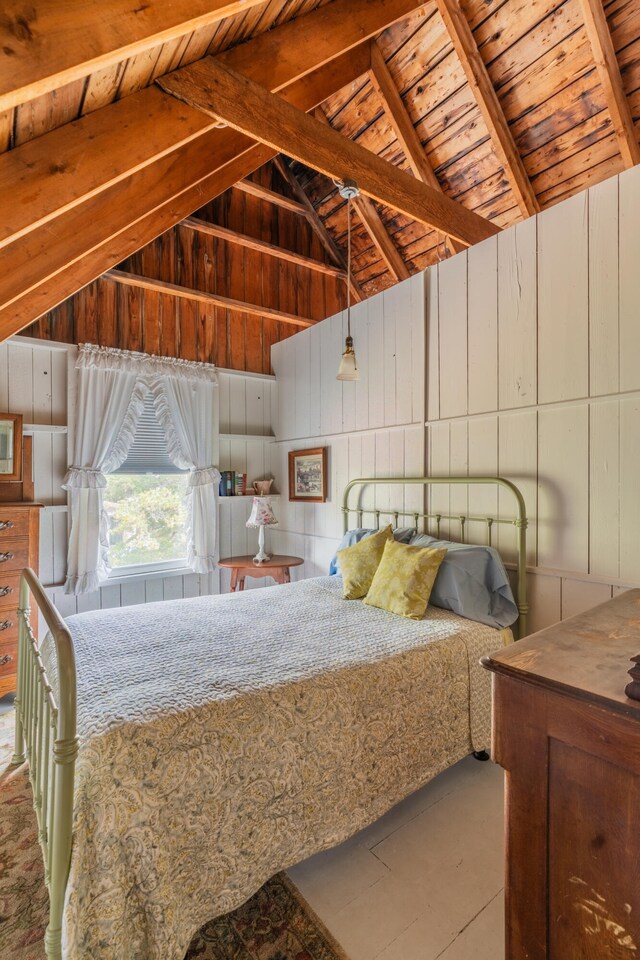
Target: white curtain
<point x="185" y="405"/>
<point x="109" y="402"/>
<point x="111" y="388"/>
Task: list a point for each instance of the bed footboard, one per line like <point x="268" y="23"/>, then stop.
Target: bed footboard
<point x="46" y="737"/>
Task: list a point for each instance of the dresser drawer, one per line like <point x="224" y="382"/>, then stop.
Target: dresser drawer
<point x="14" y="555"/>
<point x="8" y="658"/>
<point x="13" y="523"/>
<point x="9" y="589"/>
<point x="8" y="626"/>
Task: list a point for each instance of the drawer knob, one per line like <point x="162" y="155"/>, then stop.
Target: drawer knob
<point x="7" y="524"/>
<point x="7" y="658"/>
<point x="5" y="591"/>
<point x="6" y="624"/>
<point x="6" y="556"/>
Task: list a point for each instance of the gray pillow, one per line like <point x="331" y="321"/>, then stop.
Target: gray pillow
<point x="402" y="535"/>
<point x="471" y="581"/>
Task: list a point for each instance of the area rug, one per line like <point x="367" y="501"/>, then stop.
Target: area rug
<point x="276" y="924"/>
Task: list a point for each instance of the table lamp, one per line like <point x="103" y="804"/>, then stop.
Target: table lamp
<point x="261" y="516"/>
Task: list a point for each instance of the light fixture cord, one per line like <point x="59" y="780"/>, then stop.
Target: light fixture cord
<point x="348" y="266"/>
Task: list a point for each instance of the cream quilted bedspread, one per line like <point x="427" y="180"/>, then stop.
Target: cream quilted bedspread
<point x="225" y="738"/>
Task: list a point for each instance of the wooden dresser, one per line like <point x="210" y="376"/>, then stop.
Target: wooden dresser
<point x="569" y="740"/>
<point x="19" y="541"/>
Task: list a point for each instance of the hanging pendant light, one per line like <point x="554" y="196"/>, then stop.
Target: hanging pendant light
<point x="348" y="369"/>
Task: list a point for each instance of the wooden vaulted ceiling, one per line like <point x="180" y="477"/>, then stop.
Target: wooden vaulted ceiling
<point x="503" y="106"/>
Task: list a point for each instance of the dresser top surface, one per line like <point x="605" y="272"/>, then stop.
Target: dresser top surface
<point x="588" y="655"/>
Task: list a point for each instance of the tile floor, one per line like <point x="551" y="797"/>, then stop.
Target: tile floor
<point x="425" y="881"/>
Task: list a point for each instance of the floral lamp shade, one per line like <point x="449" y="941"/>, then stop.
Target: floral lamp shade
<point x="261" y="516"/>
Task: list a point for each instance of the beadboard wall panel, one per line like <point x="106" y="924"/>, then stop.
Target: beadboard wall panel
<point x="372" y="427"/>
<point x="565" y="423"/>
<point x="37" y="380"/>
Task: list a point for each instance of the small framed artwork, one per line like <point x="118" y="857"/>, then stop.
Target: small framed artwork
<point x="308" y="475"/>
<point x="10" y="446"/>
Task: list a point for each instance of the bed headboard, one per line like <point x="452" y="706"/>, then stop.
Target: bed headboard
<point x="519" y="521"/>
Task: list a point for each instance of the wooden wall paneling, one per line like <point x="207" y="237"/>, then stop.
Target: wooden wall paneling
<point x="563" y="487"/>
<point x="382" y="469"/>
<point x="433" y="344"/>
<point x="20" y="379"/>
<point x="368" y="495"/>
<point x="4" y="376"/>
<point x="604" y="489"/>
<point x="331" y="347"/>
<point x="545" y="601"/>
<point x="301" y="346"/>
<point x="438" y="464"/>
<point x="414" y="496"/>
<point x="483" y="461"/>
<point x="415" y="361"/>
<point x="604" y="319"/>
<point x="257" y="400"/>
<point x="153" y="590"/>
<point x="581" y="595"/>
<point x="350" y="387"/>
<point x="517" y="316"/>
<point x="483" y="326"/>
<point x="629" y="185"/>
<point x="397" y="498"/>
<point x="390" y="388"/>
<point x="459" y="467"/>
<point x="237" y="404"/>
<point x="563" y="305"/>
<point x="224" y="403"/>
<point x="362" y="344"/>
<point x="453" y="335"/>
<point x="629" y="502"/>
<point x="518" y="461"/>
<point x="376" y="361"/>
<point x="339" y="477"/>
<point x="107" y="331"/>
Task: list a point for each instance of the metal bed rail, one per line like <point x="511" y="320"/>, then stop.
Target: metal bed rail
<point x="519" y="522"/>
<point x="46" y="737"/>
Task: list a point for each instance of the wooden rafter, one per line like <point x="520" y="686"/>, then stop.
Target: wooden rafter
<point x="403" y="127"/>
<point x="46" y="44"/>
<point x="251" y="109"/>
<point x="489" y="105"/>
<point x="262" y="246"/>
<point x="271" y="196"/>
<point x="374" y="226"/>
<point x="604" y="56"/>
<point x="200" y="296"/>
<point x="160" y="170"/>
<point x="318" y="226"/>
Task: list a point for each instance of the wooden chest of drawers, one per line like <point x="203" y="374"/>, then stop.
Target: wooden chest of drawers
<point x="19" y="541"/>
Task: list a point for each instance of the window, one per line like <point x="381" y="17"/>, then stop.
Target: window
<point x="145" y="501"/>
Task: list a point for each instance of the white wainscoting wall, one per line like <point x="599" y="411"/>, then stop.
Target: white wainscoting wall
<point x="533" y="343"/>
<point x="373" y="427"/>
<point x="37" y="380"/>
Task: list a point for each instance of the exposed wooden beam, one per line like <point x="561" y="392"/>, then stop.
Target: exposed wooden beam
<point x="45" y="44"/>
<point x="200" y="296"/>
<point x="403" y="127"/>
<point x="374" y="226"/>
<point x="251" y="109"/>
<point x="604" y="57"/>
<point x="489" y="105"/>
<point x="271" y="196"/>
<point x="262" y="246"/>
<point x="81" y="218"/>
<point x="318" y="226"/>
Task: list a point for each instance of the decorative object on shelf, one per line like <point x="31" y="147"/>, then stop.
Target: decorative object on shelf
<point x="308" y="475"/>
<point x="632" y="689"/>
<point x="10" y="446"/>
<point x="348" y="369"/>
<point x="261" y="516"/>
<point x="262" y="487"/>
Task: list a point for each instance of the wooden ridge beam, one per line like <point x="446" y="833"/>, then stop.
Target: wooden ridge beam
<point x="604" y="56"/>
<point x="200" y="296"/>
<point x="489" y="105"/>
<point x="404" y="129"/>
<point x="319" y="228"/>
<point x="271" y="196"/>
<point x="251" y="109"/>
<point x="262" y="246"/>
<point x="46" y="44"/>
<point x="99" y="213"/>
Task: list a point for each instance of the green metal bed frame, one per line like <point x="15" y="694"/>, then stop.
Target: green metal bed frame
<point x="46" y="727"/>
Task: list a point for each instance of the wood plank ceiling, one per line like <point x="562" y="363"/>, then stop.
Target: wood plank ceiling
<point x="505" y="106"/>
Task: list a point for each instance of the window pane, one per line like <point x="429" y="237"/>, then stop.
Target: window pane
<point x="148" y="517"/>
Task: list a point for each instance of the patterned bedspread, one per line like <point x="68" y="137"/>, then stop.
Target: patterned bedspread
<point x="225" y="738"/>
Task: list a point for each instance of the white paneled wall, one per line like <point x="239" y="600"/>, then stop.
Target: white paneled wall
<point x="533" y="373"/>
<point x="372" y="427"/>
<point x="36" y="380"/>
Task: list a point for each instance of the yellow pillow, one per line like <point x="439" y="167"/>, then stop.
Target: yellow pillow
<point x="404" y="579"/>
<point x="359" y="563"/>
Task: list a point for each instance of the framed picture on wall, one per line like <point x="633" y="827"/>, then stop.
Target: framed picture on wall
<point x="308" y="475"/>
<point x="10" y="446"/>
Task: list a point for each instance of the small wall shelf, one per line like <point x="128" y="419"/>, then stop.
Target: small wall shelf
<point x="44" y="428"/>
<point x="247" y="496"/>
<point x="246" y="436"/>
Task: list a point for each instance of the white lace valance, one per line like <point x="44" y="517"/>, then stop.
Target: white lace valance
<point x="145" y="365"/>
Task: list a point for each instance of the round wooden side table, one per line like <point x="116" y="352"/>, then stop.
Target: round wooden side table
<point x="241" y="567"/>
